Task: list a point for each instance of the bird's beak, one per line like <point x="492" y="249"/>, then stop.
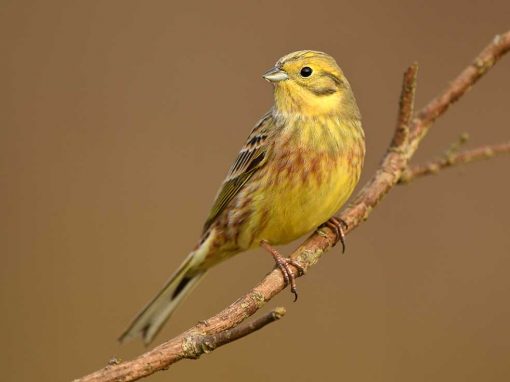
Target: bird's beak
<point x="275" y="74"/>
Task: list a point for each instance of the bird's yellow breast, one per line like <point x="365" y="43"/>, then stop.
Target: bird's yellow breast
<point x="312" y="171"/>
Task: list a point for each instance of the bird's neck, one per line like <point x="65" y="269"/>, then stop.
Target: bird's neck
<point x="301" y="103"/>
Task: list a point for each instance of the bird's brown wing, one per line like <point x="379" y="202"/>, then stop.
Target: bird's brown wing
<point x="250" y="159"/>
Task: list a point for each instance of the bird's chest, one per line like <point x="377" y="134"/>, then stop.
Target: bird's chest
<point x="306" y="180"/>
<point x="305" y="192"/>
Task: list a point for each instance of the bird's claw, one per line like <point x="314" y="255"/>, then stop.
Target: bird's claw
<point x="338" y="226"/>
<point x="283" y="264"/>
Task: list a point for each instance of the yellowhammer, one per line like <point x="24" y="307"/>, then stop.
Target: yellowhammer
<point x="298" y="166"/>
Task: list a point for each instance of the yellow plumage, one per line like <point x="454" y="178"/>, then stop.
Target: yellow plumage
<point x="299" y="165"/>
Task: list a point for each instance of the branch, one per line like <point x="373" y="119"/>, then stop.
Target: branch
<point x="463" y="157"/>
<point x="464" y="81"/>
<point x="406" y="108"/>
<point x="409" y="133"/>
<point x="196" y="346"/>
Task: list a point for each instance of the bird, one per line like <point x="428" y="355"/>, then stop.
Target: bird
<point x="298" y="166"/>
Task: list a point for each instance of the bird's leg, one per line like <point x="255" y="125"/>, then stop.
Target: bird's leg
<point x="283" y="264"/>
<point x="338" y="226"/>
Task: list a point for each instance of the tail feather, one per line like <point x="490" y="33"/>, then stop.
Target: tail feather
<point x="150" y="320"/>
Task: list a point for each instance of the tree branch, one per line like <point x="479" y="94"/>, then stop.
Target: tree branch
<point x="201" y="344"/>
<point x="406" y="107"/>
<point x="453" y="159"/>
<point x="460" y="85"/>
<point x="409" y="133"/>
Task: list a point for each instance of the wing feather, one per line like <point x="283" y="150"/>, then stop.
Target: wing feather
<point x="250" y="159"/>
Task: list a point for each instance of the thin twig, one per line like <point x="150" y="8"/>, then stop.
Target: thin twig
<point x="454" y="159"/>
<point x="406" y="107"/>
<point x="394" y="162"/>
<point x="196" y="346"/>
<point x="455" y="147"/>
<point x="489" y="56"/>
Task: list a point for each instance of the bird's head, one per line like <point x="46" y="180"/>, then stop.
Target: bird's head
<point x="310" y="83"/>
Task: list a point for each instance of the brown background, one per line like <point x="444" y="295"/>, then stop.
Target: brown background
<point x="118" y="122"/>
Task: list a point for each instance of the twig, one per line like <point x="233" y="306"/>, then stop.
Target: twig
<point x="196" y="346"/>
<point x="392" y="166"/>
<point x="406" y="107"/>
<point x="393" y="163"/>
<point x="190" y="344"/>
<point x="462" y="83"/>
<point x="456" y="145"/>
<point x="463" y="157"/>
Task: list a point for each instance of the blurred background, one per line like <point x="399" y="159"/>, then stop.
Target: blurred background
<point x="118" y="122"/>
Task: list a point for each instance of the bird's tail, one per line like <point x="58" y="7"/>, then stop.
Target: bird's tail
<point x="150" y="320"/>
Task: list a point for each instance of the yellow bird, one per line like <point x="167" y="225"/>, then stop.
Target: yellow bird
<point x="298" y="166"/>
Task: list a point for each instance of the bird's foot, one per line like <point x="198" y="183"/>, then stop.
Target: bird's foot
<point x="338" y="226"/>
<point x="283" y="263"/>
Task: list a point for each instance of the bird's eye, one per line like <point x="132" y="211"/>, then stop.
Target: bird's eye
<point x="306" y="71"/>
